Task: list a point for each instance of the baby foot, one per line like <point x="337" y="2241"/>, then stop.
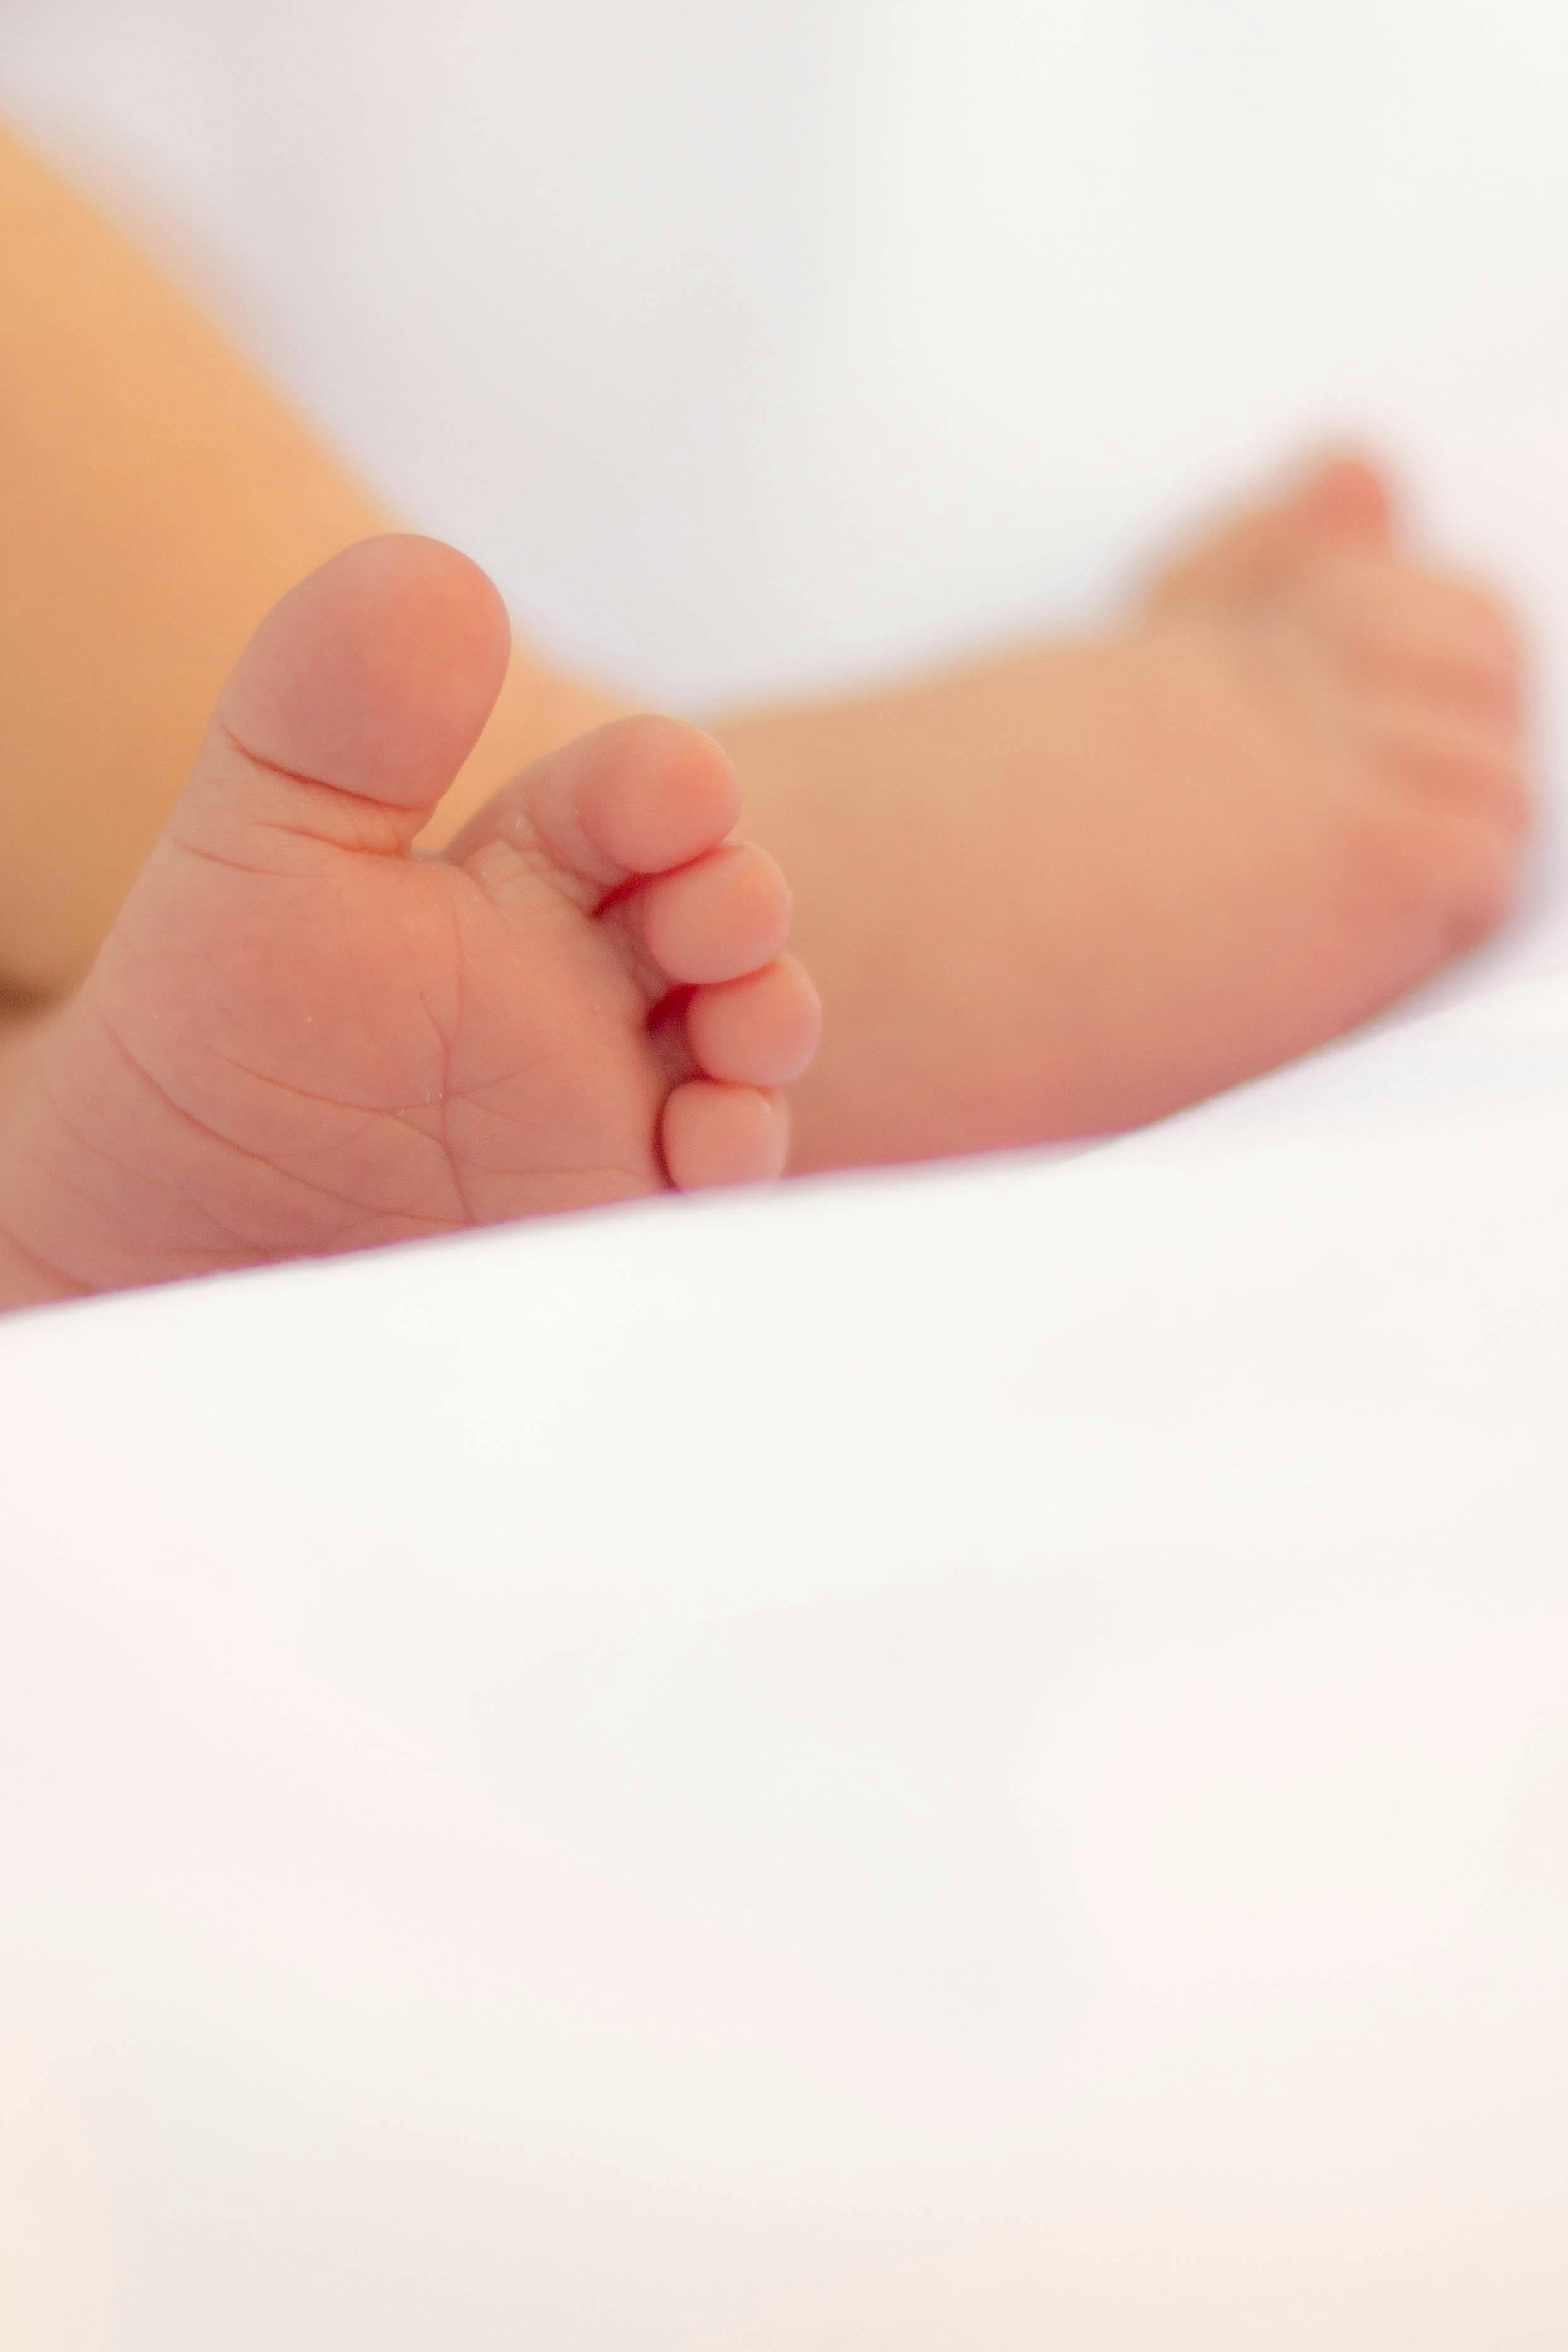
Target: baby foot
<point x="1071" y="889"/>
<point x="301" y="1037"/>
<point x="1375" y="707"/>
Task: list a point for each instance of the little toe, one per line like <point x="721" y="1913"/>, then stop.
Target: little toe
<point x="761" y="1031"/>
<point x="1456" y="872"/>
<point x="718" y="919"/>
<point x="714" y="1135"/>
<point x="1450" y="760"/>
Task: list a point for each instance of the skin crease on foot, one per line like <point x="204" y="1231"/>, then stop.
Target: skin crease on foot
<point x="303" y="1037"/>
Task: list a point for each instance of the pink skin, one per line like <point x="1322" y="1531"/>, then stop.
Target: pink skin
<point x="302" y="1037"/>
<point x="1075" y="888"/>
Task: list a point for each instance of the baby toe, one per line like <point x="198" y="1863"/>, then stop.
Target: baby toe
<point x="761" y="1031"/>
<point x="1472" y="873"/>
<point x="713" y="1135"/>
<point x="1450" y="759"/>
<point x="718" y="919"/>
<point x="1430" y="637"/>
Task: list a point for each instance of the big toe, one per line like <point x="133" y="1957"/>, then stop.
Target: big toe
<point x="356" y="702"/>
<point x="1341" y="498"/>
<point x="1347" y="494"/>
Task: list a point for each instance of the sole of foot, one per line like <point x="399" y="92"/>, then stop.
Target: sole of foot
<point x="304" y="1036"/>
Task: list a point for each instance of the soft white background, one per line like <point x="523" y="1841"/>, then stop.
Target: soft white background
<point x="764" y="346"/>
<point x="752" y="343"/>
<point x="970" y="1762"/>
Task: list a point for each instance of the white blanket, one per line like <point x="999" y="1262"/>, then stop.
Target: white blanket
<point x="973" y="1759"/>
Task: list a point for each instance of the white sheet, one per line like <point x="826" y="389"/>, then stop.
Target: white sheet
<point x="968" y="1760"/>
